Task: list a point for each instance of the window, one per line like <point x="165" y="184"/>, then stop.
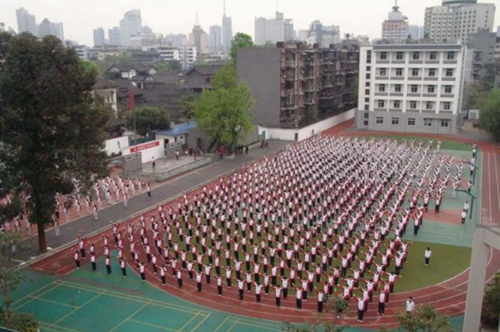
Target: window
<point x="445" y="123"/>
<point x="414" y="88"/>
<point x="428" y="122"/>
<point x="366" y="115"/>
<point x="395" y="121"/>
<point x="430" y="89"/>
<point x="382" y="72"/>
<point x="411" y="121"/>
<point x="414" y="72"/>
<point x="369" y="57"/>
<point x="416" y="56"/>
<point x="429" y="105"/>
<point x="367" y="92"/>
<point x="449" y="72"/>
<point x="450" y="56"/>
<point x="367" y="84"/>
<point x="381" y="104"/>
<point x="368" y="76"/>
<point x="432" y="72"/>
<point x="413" y="104"/>
<point x="383" y="56"/>
<point x="397" y="88"/>
<point x="367" y="100"/>
<point x="399" y="71"/>
<point x="447" y="89"/>
<point x="379" y="120"/>
<point x="446" y="105"/>
<point x="367" y="107"/>
<point x="433" y="56"/>
<point x="397" y="104"/>
<point x="365" y="123"/>
<point x="399" y="56"/>
<point x="368" y="68"/>
<point x="381" y="88"/>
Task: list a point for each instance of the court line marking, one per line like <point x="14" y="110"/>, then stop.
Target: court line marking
<point x="236" y="322"/>
<point x="152" y="325"/>
<point x="54" y="302"/>
<point x="131" y="315"/>
<point x="16" y="308"/>
<point x="75" y="310"/>
<point x="201" y="322"/>
<point x="189" y="321"/>
<point x="221" y="324"/>
<point x="254" y="324"/>
<point x="46" y="326"/>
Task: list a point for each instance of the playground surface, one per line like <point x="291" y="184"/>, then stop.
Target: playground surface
<point x="65" y="299"/>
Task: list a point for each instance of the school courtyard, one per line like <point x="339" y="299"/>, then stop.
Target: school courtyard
<point x="65" y="299"/>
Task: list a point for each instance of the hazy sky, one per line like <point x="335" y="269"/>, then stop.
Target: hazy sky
<point x="80" y="17"/>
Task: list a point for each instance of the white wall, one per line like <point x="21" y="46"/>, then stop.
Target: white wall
<point x="112" y="144"/>
<point x="306" y="132"/>
<point x="151" y="149"/>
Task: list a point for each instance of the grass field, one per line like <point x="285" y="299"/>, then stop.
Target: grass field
<point x="445" y="144"/>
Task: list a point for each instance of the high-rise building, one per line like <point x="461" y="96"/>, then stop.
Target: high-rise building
<point x="322" y="35"/>
<point x="273" y="30"/>
<point x="99" y="37"/>
<point x="498" y="31"/>
<point x="130" y="24"/>
<point x="227" y="31"/>
<point x="187" y="56"/>
<point x="176" y="40"/>
<point x="396" y="25"/>
<point x="215" y="43"/>
<point x="2" y="27"/>
<point x="115" y="36"/>
<point x="416" y="32"/>
<point x="411" y="87"/>
<point x="457" y="19"/>
<point x="57" y="30"/>
<point x="199" y="38"/>
<point x="45" y="28"/>
<point x="26" y="22"/>
<point x="482" y="44"/>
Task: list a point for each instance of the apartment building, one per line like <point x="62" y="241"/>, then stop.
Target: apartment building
<point x="412" y="87"/>
<point x="296" y="84"/>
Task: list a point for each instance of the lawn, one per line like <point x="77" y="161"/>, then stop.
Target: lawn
<point x="445" y="144"/>
<point x="446" y="262"/>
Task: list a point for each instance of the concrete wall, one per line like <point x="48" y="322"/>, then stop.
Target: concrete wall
<point x="148" y="151"/>
<point x="306" y="132"/>
<point x="264" y="81"/>
<point x="368" y="120"/>
<point x="116" y="145"/>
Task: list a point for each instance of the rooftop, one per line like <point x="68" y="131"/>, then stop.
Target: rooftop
<point x="177" y="130"/>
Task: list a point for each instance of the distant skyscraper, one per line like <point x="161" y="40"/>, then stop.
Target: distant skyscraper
<point x="58" y="30"/>
<point x="199" y="38"/>
<point x="45" y="28"/>
<point x="115" y="36"/>
<point x="99" y="37"/>
<point x="2" y="27"/>
<point x="273" y="30"/>
<point x="176" y="40"/>
<point x="227" y="30"/>
<point x="215" y="43"/>
<point x="416" y="31"/>
<point x="26" y="22"/>
<point x="457" y="19"/>
<point x="322" y="35"/>
<point x="396" y="26"/>
<point x="130" y="24"/>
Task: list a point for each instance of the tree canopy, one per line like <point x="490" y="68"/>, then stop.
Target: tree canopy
<point x="223" y="113"/>
<point x="489" y="109"/>
<point x="174" y="65"/>
<point x="161" y="66"/>
<point x="240" y="40"/>
<point x="424" y="318"/>
<point x="51" y="128"/>
<point x="491" y="303"/>
<point x="123" y="57"/>
<point x="148" y="119"/>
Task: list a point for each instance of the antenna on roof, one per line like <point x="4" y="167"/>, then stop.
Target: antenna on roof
<point x="224" y="7"/>
<point x="197" y="22"/>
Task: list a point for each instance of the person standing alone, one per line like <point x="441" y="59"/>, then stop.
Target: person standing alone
<point x="427" y="255"/>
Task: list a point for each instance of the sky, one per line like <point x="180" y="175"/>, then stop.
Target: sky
<point x="80" y="17"/>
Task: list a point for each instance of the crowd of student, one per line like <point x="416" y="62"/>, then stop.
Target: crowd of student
<point x="325" y="218"/>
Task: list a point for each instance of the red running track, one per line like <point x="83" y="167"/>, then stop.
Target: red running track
<point x="448" y="296"/>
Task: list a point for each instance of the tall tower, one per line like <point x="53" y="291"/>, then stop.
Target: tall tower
<point x="227" y="31"/>
<point x="396" y="26"/>
<point x="130" y="24"/>
<point x="26" y="22"/>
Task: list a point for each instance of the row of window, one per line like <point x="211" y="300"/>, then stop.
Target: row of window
<point x="411" y="122"/>
<point x="417" y="55"/>
<point x="415" y="72"/>
<point x="413" y="88"/>
<point x="413" y="104"/>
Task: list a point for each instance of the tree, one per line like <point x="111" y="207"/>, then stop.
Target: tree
<point x="424" y="318"/>
<point x="223" y="113"/>
<point x="162" y="66"/>
<point x="312" y="327"/>
<point x="491" y="303"/>
<point x="187" y="102"/>
<point x="90" y="67"/>
<point x="240" y="40"/>
<point x="474" y="94"/>
<point x="175" y="65"/>
<point x="147" y="119"/>
<point x="123" y="57"/>
<point x="489" y="116"/>
<point x="51" y="129"/>
<point x="200" y="62"/>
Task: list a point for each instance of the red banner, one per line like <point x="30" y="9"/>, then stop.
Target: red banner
<point x="141" y="147"/>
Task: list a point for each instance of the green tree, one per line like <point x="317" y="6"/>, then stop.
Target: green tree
<point x="51" y="129"/>
<point x="223" y="113"/>
<point x="312" y="327"/>
<point x="175" y="65"/>
<point x="489" y="116"/>
<point x="201" y="62"/>
<point x="123" y="57"/>
<point x="147" y="119"/>
<point x="161" y="66"/>
<point x="90" y="67"/>
<point x="424" y="318"/>
<point x="474" y="94"/>
<point x="491" y="303"/>
<point x="240" y="40"/>
<point x="187" y="102"/>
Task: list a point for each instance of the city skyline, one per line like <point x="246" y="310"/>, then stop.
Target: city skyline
<point x="156" y="15"/>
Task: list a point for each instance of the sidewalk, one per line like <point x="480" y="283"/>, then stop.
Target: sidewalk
<point x="164" y="192"/>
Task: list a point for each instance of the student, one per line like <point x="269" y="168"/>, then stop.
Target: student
<point x="123" y="266"/>
<point x="108" y="264"/>
<point x="77" y="259"/>
<point x="93" y="262"/>
<point x="163" y="273"/>
<point x="361" y="308"/>
<point x="464" y="216"/>
<point x="381" y="302"/>
<point x="410" y="306"/>
<point x="427" y="255"/>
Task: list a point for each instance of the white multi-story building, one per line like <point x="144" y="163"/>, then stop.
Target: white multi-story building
<point x="99" y="37"/>
<point x="187" y="56"/>
<point x="115" y="36"/>
<point x="273" y="30"/>
<point x="412" y="87"/>
<point x="130" y="24"/>
<point x="457" y="19"/>
<point x="168" y="53"/>
<point x="396" y="26"/>
<point x="215" y="39"/>
<point x="26" y="22"/>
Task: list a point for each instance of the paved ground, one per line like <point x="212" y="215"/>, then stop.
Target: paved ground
<point x="170" y="189"/>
